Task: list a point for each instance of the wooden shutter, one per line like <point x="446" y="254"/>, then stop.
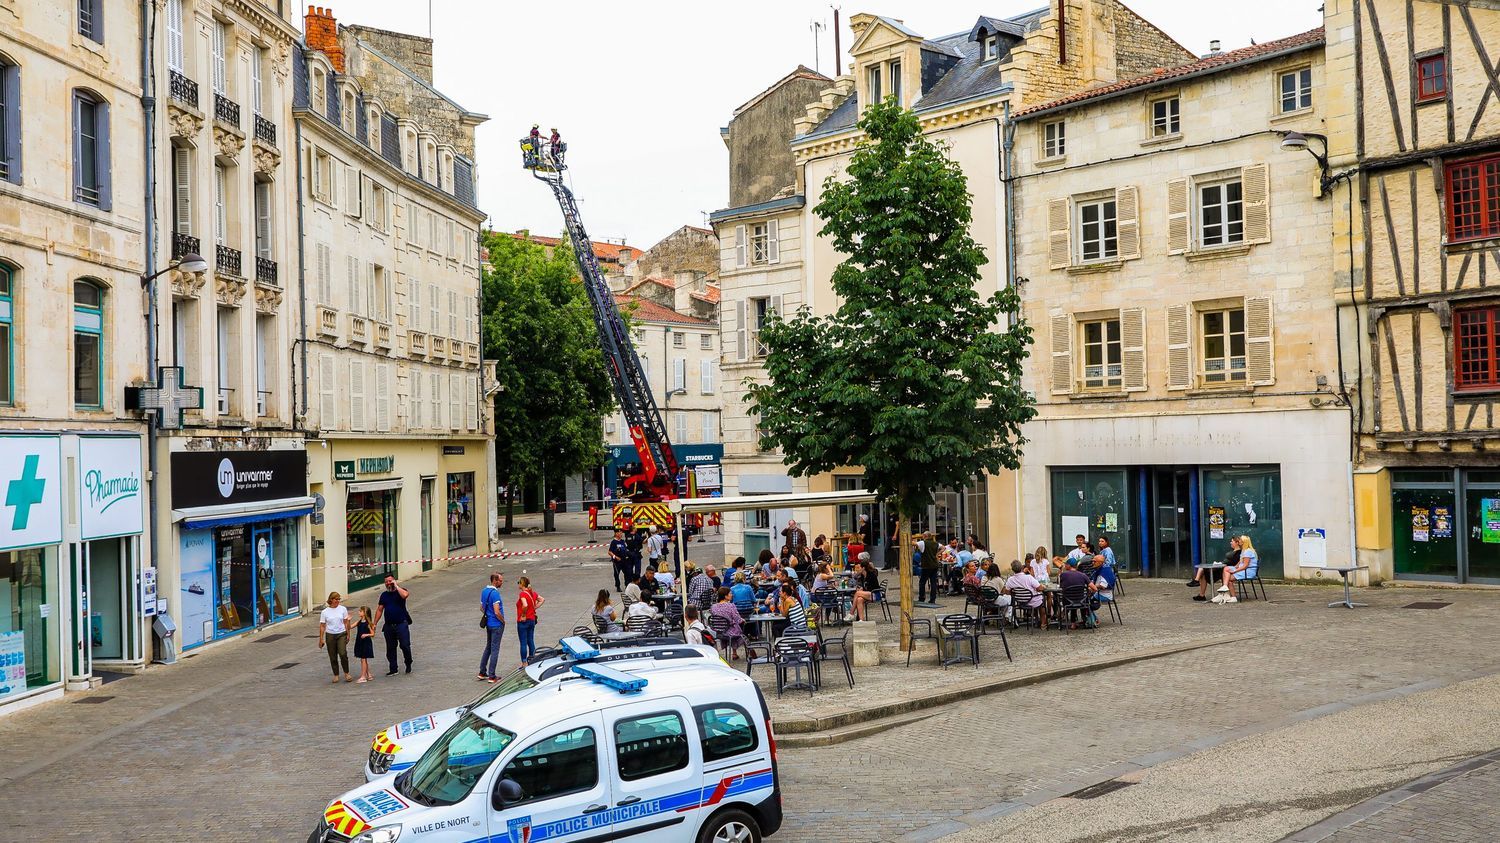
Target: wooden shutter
<point x="1062" y="354"/>
<point x="353" y="192"/>
<point x="432" y="308"/>
<point x="1179" y="346"/>
<point x="1178" y="238"/>
<point x="471" y="398"/>
<point x="221" y="204"/>
<point x="383" y="397"/>
<point x="263" y="196"/>
<point x="218" y="76"/>
<point x="1127" y="223"/>
<point x="10" y="117"/>
<point x="455" y="396"/>
<point x="739" y="245"/>
<point x="336" y="189"/>
<point x="706" y="377"/>
<point x="182" y="190"/>
<point x="435" y="380"/>
<point x="679" y="373"/>
<point x="1133" y="348"/>
<point x="1059" y="234"/>
<point x="325" y="274"/>
<point x="417" y="399"/>
<point x="740" y="335"/>
<point x="1260" y="346"/>
<point x="775" y="305"/>
<point x="1255" y="191"/>
<point x="351" y="276"/>
<point x="174" y="35"/>
<point x="105" y="171"/>
<point x="356" y="395"/>
<point x="773" y="241"/>
<point x="328" y="391"/>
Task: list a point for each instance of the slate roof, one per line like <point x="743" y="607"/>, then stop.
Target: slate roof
<point x="643" y="310"/>
<point x="1207" y="64"/>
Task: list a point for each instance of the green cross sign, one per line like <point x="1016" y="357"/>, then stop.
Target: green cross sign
<point x="24" y="492"/>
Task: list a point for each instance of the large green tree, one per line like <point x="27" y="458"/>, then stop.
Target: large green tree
<point x="916" y="378"/>
<point x="553" y="389"/>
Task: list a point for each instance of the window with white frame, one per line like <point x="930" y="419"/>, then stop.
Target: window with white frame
<point x="1223" y="345"/>
<point x="706" y="342"/>
<point x="1221" y="213"/>
<point x="1166" y="117"/>
<point x="679" y="374"/>
<point x="679" y="421"/>
<point x="873" y="78"/>
<point x="219" y="59"/>
<point x="1097" y="230"/>
<point x="221" y="204"/>
<point x="679" y="340"/>
<point x="1102" y="359"/>
<point x="760" y="308"/>
<point x="1295" y="88"/>
<point x="175" y="52"/>
<point x="760" y="240"/>
<point x="1054" y="139"/>
<point x="322" y="172"/>
<point x="895" y="76"/>
<point x="991" y="47"/>
<point x="257" y="80"/>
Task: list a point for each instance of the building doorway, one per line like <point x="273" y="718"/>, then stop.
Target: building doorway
<point x="371" y="524"/>
<point x="427" y="483"/>
<point x="1171" y="527"/>
<point x="110" y="601"/>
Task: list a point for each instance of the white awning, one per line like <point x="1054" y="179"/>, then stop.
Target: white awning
<point x="200" y="516"/>
<point x="372" y="485"/>
<point x="744" y="503"/>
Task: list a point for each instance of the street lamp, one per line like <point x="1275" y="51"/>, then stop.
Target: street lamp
<point x="192" y="263"/>
<point x="1297" y="141"/>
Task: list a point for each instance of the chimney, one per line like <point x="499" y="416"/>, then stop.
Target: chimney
<point x="1213" y="46"/>
<point x="322" y="33"/>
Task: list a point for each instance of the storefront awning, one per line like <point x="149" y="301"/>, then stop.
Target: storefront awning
<point x="223" y="515"/>
<point x="372" y="485"/>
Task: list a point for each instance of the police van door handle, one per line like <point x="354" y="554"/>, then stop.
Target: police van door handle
<point x="594" y="809"/>
<point x="631" y="801"/>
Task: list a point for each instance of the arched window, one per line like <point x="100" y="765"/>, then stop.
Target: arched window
<point x="88" y="344"/>
<point x="7" y="349"/>
<point x="91" y="170"/>
<point x="10" y="120"/>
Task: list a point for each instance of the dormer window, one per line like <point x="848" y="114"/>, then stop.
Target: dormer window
<point x="873" y="78"/>
<point x="991" y="47"/>
<point x="895" y="68"/>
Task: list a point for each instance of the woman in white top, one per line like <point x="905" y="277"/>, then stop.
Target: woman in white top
<point x="1240" y="570"/>
<point x="333" y="631"/>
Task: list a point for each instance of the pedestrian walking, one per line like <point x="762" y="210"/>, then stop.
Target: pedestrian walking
<point x="493" y="606"/>
<point x="527" y="602"/>
<point x="397" y="629"/>
<point x="364" y="643"/>
<point x="333" y="632"/>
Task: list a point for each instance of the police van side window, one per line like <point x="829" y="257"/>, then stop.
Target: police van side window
<point x="724" y="730"/>
<point x="650" y="745"/>
<point x="555" y="766"/>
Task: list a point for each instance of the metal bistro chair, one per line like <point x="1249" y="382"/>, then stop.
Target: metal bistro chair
<point x="1021" y="609"/>
<point x="841" y="642"/>
<point x="879" y="600"/>
<point x="830" y="608"/>
<point x="589" y="635"/>
<point x="1248" y="584"/>
<point x="793" y="655"/>
<point x="958" y="629"/>
<point x="990" y="611"/>
<point x="911" y="631"/>
<point x="720" y="627"/>
<point x="1075" y="605"/>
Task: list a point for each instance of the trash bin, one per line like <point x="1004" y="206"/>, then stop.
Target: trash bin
<point x="166" y="639"/>
<point x="549" y="517"/>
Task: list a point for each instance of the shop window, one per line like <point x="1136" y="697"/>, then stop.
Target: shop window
<point x="88" y="345"/>
<point x="460" y="510"/>
<point x="1432" y="78"/>
<point x="1477" y="337"/>
<point x="370" y="521"/>
<point x="7" y="349"/>
<point x="28" y="594"/>
<point x="1474" y="199"/>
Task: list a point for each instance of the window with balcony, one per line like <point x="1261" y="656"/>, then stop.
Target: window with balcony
<point x="218" y="58"/>
<point x="221" y="204"/>
<point x="1166" y="117"/>
<point x="10" y="121"/>
<point x="1295" y="89"/>
<point x="1103" y="364"/>
<point x="1476" y="337"/>
<point x="1054" y="139"/>
<point x="91" y="160"/>
<point x="265" y="363"/>
<point x="1473" y="189"/>
<point x="88" y="344"/>
<point x="1432" y="78"/>
<point x="182" y="198"/>
<point x="227" y="340"/>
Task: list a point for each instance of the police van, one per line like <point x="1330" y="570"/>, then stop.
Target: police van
<point x="398" y="746"/>
<point x="603" y="748"/>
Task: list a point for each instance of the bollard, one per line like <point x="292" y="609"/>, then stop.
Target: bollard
<point x="866" y="644"/>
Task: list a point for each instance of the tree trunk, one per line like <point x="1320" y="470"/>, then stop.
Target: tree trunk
<point x="903" y="566"/>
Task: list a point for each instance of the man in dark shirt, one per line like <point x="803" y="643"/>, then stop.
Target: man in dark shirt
<point x="397" y="628"/>
<point x="619" y="557"/>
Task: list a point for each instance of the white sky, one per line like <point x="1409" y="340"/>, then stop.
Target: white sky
<point x="640" y="88"/>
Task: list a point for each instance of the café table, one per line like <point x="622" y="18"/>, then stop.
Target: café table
<point x="1345" y="572"/>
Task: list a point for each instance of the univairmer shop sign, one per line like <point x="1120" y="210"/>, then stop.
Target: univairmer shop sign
<point x="212" y="478"/>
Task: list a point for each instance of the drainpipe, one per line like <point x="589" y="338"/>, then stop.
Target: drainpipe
<point x="148" y="106"/>
<point x="1007" y="130"/>
<point x="301" y="272"/>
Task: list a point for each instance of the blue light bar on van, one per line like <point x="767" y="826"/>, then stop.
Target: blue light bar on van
<point x="577" y="648"/>
<point x="609" y="677"/>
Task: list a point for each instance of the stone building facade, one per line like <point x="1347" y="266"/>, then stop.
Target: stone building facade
<point x="1415" y="84"/>
<point x="393" y="386"/>
<point x="760" y="157"/>
<point x="73" y="233"/>
<point x="1174" y="262"/>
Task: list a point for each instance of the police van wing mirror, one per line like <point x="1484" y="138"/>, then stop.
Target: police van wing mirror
<point x="507" y="792"/>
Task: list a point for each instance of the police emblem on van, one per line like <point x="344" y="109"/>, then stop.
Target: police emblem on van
<point x="520" y="830"/>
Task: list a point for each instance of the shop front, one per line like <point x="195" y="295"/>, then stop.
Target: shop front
<point x="106" y="573"/>
<point x="32" y="611"/>
<point x="1446" y="524"/>
<point x="239" y="518"/>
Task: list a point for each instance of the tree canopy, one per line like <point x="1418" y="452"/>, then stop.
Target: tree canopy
<point x="554" y="391"/>
<point x="915" y="378"/>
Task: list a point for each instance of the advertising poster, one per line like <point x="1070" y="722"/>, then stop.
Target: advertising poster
<point x="1420" y="524"/>
<point x="1489" y="520"/>
<point x="1442" y="522"/>
<point x="1216" y="522"/>
<point x="12" y="663"/>
<point x="197" y="599"/>
<point x="1111" y="522"/>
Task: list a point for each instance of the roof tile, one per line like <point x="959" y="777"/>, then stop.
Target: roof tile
<point x="645" y="310"/>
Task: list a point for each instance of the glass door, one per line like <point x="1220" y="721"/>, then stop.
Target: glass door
<point x="1481" y="525"/>
<point x="1172" y="533"/>
<point x="234" y="579"/>
<point x="265" y="577"/>
<point x="1421" y="550"/>
<point x="426" y="511"/>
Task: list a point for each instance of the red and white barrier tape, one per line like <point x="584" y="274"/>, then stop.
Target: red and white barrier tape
<point x="499" y="554"/>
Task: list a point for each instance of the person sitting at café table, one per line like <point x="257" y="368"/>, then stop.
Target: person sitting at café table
<point x="632" y="593"/>
<point x="742" y="594"/>
<point x="1020" y="578"/>
<point x="971" y="575"/>
<point x="700" y="585"/>
<point x="993" y="579"/>
<point x="649" y="584"/>
<point x="1248" y="559"/>
<point x="1202" y="575"/>
<point x="819" y="552"/>
<point x="724" y="608"/>
<point x="824" y="578"/>
<point x="1071" y="577"/>
<point x="1105" y="579"/>
<point x="641" y="608"/>
<point x="868" y="588"/>
<point x="664" y="576"/>
<point x="792" y="609"/>
<point x="773" y="595"/>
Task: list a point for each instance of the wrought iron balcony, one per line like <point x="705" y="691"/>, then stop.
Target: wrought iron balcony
<point x="265" y="130"/>
<point x="183" y="244"/>
<point x="227" y="261"/>
<point x="226" y="110"/>
<point x="265" y="271"/>
<point x="183" y="89"/>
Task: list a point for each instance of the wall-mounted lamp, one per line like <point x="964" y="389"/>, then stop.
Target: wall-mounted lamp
<point x="191" y="263"/>
<point x="1296" y="141"/>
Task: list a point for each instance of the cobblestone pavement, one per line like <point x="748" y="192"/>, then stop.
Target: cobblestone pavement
<point x="1455" y="805"/>
<point x="247" y="740"/>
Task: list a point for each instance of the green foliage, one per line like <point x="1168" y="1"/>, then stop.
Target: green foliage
<point x="914" y="378"/>
<point x="554" y="391"/>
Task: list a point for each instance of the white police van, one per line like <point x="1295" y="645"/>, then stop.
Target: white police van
<point x="674" y="750"/>
<point x="398" y="746"/>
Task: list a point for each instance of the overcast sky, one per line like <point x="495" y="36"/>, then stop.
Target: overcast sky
<point x="640" y="89"/>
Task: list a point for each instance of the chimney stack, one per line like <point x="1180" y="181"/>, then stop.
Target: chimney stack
<point x="322" y="33"/>
<point x="1213" y="46"/>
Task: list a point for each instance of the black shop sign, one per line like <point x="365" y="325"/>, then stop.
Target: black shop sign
<point x="211" y="478"/>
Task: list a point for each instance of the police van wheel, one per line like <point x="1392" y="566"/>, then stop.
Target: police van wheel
<point x="732" y="826"/>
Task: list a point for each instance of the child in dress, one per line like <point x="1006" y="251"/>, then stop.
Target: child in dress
<point x="364" y="643"/>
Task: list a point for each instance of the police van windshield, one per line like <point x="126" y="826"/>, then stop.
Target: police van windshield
<point x="515" y="682"/>
<point x="448" y="770"/>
